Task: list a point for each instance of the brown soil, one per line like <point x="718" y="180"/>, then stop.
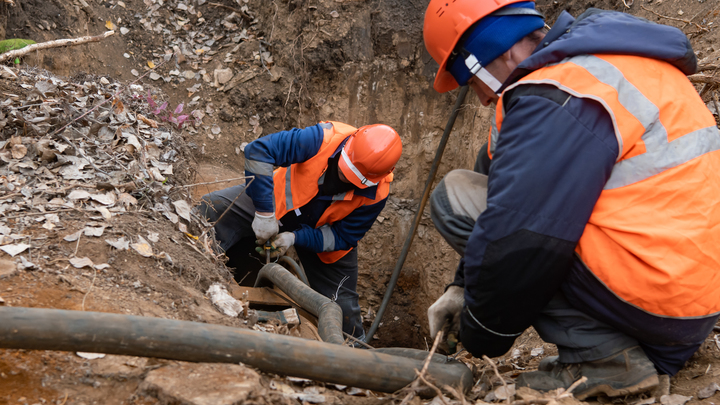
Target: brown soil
<point x="357" y="61"/>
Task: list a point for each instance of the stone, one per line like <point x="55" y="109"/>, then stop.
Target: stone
<point x="223" y="76"/>
<point x="201" y="384"/>
<point x="7" y="268"/>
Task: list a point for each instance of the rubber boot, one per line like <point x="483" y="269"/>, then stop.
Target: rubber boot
<point x="626" y="373"/>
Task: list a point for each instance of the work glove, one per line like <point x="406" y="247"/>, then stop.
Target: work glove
<point x="279" y="245"/>
<point x="265" y="227"/>
<point x="444" y="315"/>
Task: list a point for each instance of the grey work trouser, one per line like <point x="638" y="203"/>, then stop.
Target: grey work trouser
<point x="235" y="235"/>
<point x="455" y="205"/>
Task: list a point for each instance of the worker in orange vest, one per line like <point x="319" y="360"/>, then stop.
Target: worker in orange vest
<point x="594" y="211"/>
<point x="331" y="183"/>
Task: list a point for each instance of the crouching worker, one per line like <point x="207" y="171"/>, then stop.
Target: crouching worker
<point x="332" y="182"/>
<point x="609" y="247"/>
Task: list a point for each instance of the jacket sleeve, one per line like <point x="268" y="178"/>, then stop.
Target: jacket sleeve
<point x="553" y="157"/>
<point x="341" y="235"/>
<point x="279" y="149"/>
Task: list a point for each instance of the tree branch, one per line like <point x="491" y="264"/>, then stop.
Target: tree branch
<point x="52" y="44"/>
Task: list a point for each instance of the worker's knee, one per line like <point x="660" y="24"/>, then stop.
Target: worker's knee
<point x="480" y="341"/>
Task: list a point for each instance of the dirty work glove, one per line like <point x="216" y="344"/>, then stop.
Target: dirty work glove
<point x="265" y="227"/>
<point x="445" y="314"/>
<point x="280" y="244"/>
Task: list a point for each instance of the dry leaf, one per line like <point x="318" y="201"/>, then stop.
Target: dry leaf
<point x="674" y="399"/>
<point x="78" y="195"/>
<point x="183" y="209"/>
<point x="119" y="244"/>
<point x="109" y="25"/>
<point x="80" y="262"/>
<point x="151" y="65"/>
<point x="93" y="231"/>
<point x="13" y="250"/>
<point x="127" y="199"/>
<point x="142" y="247"/>
<point x="19" y="151"/>
<point x="147" y="121"/>
<point x="105" y="199"/>
<point x="708" y="391"/>
<point x="73" y="237"/>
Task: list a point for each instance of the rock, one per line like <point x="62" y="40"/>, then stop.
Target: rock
<point x="708" y="391"/>
<point x="7" y="268"/>
<point x="201" y="384"/>
<point x="674" y="399"/>
<point x="223" y="76"/>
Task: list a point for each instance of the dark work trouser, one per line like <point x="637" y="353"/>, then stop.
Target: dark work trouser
<point x="235" y="235"/>
<point x="585" y="320"/>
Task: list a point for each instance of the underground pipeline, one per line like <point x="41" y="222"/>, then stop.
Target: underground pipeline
<point x="328" y="312"/>
<point x="53" y="329"/>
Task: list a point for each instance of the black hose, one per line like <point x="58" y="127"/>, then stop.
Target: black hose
<point x="328" y="312"/>
<point x="53" y="329"/>
<point x="426" y="193"/>
<point x="297" y="268"/>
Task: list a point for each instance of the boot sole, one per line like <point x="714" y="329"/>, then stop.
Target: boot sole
<point x="642" y="386"/>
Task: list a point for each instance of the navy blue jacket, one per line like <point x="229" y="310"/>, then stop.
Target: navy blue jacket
<point x="553" y="156"/>
<point x="285" y="148"/>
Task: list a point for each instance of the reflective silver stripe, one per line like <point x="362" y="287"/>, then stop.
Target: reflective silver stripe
<point x="328" y="238"/>
<point x="493" y="136"/>
<point x="355" y="170"/>
<point x="259" y="168"/>
<point x="666" y="156"/>
<point x="490" y="330"/>
<point x="629" y="97"/>
<point x="660" y="154"/>
<point x="288" y="190"/>
<point x="326" y="125"/>
<point x="339" y="197"/>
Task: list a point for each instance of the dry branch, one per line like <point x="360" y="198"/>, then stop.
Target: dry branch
<point x="52" y="44"/>
<point x="707" y="66"/>
<point x="10" y="2"/>
<point x="700" y="27"/>
<point x="704" y="79"/>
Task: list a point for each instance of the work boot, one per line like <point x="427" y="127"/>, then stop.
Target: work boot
<point x="626" y="373"/>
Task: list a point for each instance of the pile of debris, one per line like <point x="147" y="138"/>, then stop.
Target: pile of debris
<point x="86" y="146"/>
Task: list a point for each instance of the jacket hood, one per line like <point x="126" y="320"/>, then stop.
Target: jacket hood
<point x="609" y="32"/>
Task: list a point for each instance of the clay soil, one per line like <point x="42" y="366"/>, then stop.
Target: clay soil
<point x="292" y="63"/>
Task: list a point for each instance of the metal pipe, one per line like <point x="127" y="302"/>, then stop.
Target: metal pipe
<point x="328" y="312"/>
<point x="53" y="329"/>
<point x="296" y="267"/>
<point x="426" y="193"/>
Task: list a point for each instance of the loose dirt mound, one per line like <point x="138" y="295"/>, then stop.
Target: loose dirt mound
<point x="241" y="69"/>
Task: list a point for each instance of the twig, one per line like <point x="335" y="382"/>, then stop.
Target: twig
<point x="65" y="400"/>
<point x="91" y="286"/>
<point x="570" y="389"/>
<point x="700" y="27"/>
<point x="628" y="5"/>
<point x="717" y="108"/>
<point x="233" y="201"/>
<point x="436" y="389"/>
<point x="52" y="44"/>
<point x="41" y="213"/>
<point x="456" y="393"/>
<point x="700" y="78"/>
<point x="416" y="383"/>
<point x="242" y="14"/>
<point x="356" y="340"/>
<point x="77" y="245"/>
<point x="497" y="373"/>
<point x="215" y="182"/>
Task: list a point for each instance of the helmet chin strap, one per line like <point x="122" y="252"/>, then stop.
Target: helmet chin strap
<point x="481" y="73"/>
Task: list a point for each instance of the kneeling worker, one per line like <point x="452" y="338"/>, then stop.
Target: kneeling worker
<point x="598" y="220"/>
<point x="331" y="184"/>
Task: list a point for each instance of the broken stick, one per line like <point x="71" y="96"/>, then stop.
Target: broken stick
<point x="52" y="44"/>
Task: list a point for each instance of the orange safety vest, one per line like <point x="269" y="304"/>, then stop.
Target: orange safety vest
<point x="295" y="186"/>
<point x="653" y="237"/>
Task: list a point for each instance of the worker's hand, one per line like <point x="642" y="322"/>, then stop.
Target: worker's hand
<point x="265" y="227"/>
<point x="445" y="314"/>
<point x="280" y="244"/>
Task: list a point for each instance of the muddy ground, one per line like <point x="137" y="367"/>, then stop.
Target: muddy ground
<point x="244" y="69"/>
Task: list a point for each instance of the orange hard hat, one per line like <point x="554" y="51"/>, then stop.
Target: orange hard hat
<point x="370" y="154"/>
<point x="445" y="22"/>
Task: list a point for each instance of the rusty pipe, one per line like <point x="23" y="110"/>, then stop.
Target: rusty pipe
<point x="328" y="312"/>
<point x="54" y="329"/>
